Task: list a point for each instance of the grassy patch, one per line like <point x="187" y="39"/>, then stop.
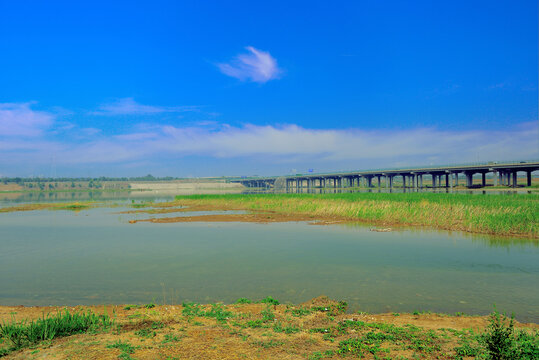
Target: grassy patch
<point x="216" y="311"/>
<point x="515" y="214"/>
<point x="29" y="333"/>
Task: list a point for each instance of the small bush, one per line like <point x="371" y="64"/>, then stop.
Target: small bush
<point x="499" y="337"/>
<point x="502" y="342"/>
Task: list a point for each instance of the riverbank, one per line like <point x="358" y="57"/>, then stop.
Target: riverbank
<point x="317" y="329"/>
<point x="510" y="215"/>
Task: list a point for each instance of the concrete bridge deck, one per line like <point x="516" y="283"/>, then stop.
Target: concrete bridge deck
<point x="503" y="173"/>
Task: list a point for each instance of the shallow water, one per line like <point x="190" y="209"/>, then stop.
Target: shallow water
<point x="95" y="256"/>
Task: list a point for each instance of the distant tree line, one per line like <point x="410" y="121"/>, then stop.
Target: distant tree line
<point x="21" y="180"/>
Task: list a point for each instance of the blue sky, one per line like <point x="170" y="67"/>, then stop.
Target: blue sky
<point x="187" y="88"/>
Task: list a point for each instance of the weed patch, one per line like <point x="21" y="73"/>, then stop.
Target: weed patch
<point x="49" y="327"/>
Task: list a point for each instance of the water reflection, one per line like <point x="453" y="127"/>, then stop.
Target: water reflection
<point x="483" y="239"/>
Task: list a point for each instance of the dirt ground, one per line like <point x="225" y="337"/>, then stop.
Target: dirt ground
<point x="318" y="329"/>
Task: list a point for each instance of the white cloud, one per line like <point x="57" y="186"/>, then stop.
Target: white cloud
<point x="256" y="66"/>
<point x="292" y="143"/>
<point x="31" y="138"/>
<point x="18" y="119"/>
<point x="128" y="106"/>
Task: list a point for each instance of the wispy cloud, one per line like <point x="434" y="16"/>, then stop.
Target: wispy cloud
<point x="128" y="106"/>
<point x="292" y="143"/>
<point x="32" y="141"/>
<point x="256" y="66"/>
<point x="18" y="119"/>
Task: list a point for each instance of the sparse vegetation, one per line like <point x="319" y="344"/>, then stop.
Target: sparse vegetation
<point x="319" y="329"/>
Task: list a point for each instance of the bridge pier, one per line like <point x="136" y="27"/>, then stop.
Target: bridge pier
<point x="529" y="178"/>
<point x="469" y="180"/>
<point x="483" y="179"/>
<point x="515" y="179"/>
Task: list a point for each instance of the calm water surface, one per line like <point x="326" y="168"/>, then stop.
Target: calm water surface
<point x="95" y="256"/>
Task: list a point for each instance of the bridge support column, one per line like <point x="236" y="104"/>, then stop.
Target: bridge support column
<point x="446" y="180"/>
<point x="456" y="179"/>
<point x="433" y="180"/>
<point x="528" y="178"/>
<point x="515" y="179"/>
<point x="421" y="181"/>
<point x="483" y="179"/>
<point x="450" y="181"/>
<point x="469" y="180"/>
<point x="495" y="178"/>
<point x="404" y="181"/>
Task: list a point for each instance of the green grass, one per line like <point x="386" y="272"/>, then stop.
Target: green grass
<point x="28" y="333"/>
<point x="216" y="311"/>
<point x="515" y="214"/>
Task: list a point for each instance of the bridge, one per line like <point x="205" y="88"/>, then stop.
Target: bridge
<point x="503" y="173"/>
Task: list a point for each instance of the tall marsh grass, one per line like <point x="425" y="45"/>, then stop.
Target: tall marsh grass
<point x="516" y="214"/>
<point x="27" y="333"/>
